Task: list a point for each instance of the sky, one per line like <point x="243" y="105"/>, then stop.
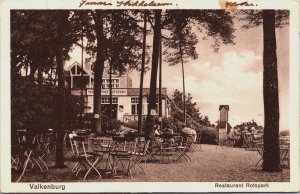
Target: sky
<point x="233" y="76"/>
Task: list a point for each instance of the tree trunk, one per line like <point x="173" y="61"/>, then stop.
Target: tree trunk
<point x="150" y="121"/>
<point x="110" y="91"/>
<point x="183" y="85"/>
<point x="160" y="82"/>
<point x="59" y="160"/>
<point x="142" y="75"/>
<point x="271" y="156"/>
<point x="98" y="71"/>
<point x="81" y="86"/>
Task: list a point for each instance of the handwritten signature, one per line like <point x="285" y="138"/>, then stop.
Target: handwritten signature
<point x="245" y="3"/>
<point x="125" y="3"/>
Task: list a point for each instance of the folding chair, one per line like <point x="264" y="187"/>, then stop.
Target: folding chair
<point x="284" y="145"/>
<point x="122" y="156"/>
<point x="260" y="151"/>
<point x="103" y="146"/>
<point x="197" y="144"/>
<point x="84" y="158"/>
<point x="140" y="154"/>
<point x="185" y="148"/>
<point x="31" y="155"/>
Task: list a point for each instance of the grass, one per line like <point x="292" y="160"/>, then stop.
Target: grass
<point x="208" y="165"/>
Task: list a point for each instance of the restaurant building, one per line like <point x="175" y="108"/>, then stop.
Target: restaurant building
<point x="125" y="98"/>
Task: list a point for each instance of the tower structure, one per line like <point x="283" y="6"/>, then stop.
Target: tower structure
<point x="223" y="126"/>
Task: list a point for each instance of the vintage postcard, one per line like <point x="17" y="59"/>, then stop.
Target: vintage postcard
<point x="149" y="96"/>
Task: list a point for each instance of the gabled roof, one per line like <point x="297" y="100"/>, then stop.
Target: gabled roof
<point x="79" y="65"/>
<point x="224" y="106"/>
<point x="223" y="125"/>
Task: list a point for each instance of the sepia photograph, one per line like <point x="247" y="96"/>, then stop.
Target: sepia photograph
<point x="140" y="95"/>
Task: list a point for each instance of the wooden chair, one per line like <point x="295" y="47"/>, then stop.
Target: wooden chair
<point x="85" y="158"/>
<point x="122" y="158"/>
<point x="185" y="148"/>
<point x="260" y="150"/>
<point x="140" y="154"/>
<point x="284" y="145"/>
<point x="29" y="154"/>
<point x="197" y="144"/>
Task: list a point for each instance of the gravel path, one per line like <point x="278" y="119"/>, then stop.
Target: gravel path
<point x="208" y="165"/>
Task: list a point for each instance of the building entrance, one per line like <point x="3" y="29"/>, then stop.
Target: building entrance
<point x="105" y="108"/>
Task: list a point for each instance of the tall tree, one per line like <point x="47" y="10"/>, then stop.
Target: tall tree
<point x="105" y="42"/>
<point x="142" y="74"/>
<point x="271" y="156"/>
<point x="217" y="23"/>
<point x="98" y="17"/>
<point x="150" y="121"/>
<point x="270" y="19"/>
<point x="44" y="38"/>
<point x="183" y="43"/>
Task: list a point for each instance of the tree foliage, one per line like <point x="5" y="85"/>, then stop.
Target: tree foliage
<point x="191" y="108"/>
<point x="270" y="19"/>
<point x="34" y="38"/>
<point x="254" y="18"/>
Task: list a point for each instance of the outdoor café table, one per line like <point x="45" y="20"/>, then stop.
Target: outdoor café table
<point x="104" y="146"/>
<point x="167" y="148"/>
<point x="284" y="152"/>
<point x="284" y="144"/>
<point x="247" y="139"/>
<point x="28" y="152"/>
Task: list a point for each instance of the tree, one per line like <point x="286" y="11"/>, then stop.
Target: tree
<point x="191" y="109"/>
<point x="271" y="156"/>
<point x="150" y="120"/>
<point x="98" y="17"/>
<point x="107" y="31"/>
<point x="142" y="73"/>
<point x="182" y="41"/>
<point x="217" y="23"/>
<point x="45" y="38"/>
<point x="270" y="20"/>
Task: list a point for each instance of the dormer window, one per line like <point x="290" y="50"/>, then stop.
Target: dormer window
<point x="115" y="83"/>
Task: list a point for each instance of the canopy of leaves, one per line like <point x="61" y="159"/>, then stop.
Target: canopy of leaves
<point x="34" y="38"/>
<point x="191" y="109"/>
<point x="254" y="18"/>
<point x="180" y="44"/>
<point x="123" y="35"/>
<point x="183" y="25"/>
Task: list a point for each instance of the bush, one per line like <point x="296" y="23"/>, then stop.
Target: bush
<point x="284" y="133"/>
<point x="209" y="135"/>
<point x="132" y="124"/>
<point x="105" y="125"/>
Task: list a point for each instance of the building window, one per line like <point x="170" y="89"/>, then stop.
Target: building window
<point x="134" y="105"/>
<point x="115" y="83"/>
<point x="107" y="100"/>
<point x="134" y="100"/>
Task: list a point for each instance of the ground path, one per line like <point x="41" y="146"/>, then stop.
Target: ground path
<point x="208" y="165"/>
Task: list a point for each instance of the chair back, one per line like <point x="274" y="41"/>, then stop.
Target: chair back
<point x="130" y="146"/>
<point x="72" y="143"/>
<point x="142" y="147"/>
<point x="80" y="145"/>
<point x="178" y="140"/>
<point x="198" y="138"/>
<point x="187" y="140"/>
<point x="101" y="144"/>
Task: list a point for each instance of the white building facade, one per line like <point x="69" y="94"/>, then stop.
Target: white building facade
<point x="125" y="98"/>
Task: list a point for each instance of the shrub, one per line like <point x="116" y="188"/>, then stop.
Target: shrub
<point x="131" y="124"/>
<point x="209" y="135"/>
<point x="284" y="133"/>
<point x="105" y="125"/>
